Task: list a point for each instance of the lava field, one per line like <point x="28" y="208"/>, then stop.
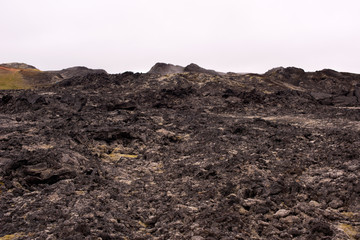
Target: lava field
<point x="188" y="155"/>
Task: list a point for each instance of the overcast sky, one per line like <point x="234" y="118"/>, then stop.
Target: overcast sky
<point x="225" y="35"/>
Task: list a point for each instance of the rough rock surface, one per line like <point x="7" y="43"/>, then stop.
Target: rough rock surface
<point x="185" y="156"/>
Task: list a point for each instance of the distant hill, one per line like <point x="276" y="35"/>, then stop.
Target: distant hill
<point x="12" y="75"/>
<point x="193" y="68"/>
<point x="166" y="68"/>
<point x="24" y="76"/>
<point x="16" y="65"/>
<point x="77" y="71"/>
<point x="326" y="86"/>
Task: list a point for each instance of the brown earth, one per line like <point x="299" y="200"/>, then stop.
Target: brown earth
<point x="183" y="156"/>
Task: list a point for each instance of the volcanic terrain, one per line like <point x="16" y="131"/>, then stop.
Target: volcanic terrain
<point x="181" y="153"/>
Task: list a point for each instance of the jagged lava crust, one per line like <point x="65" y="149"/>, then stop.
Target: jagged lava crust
<point x="189" y="155"/>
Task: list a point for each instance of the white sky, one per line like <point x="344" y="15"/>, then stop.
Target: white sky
<point x="225" y="35"/>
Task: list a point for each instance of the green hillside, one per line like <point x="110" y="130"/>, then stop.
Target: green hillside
<point x="12" y="80"/>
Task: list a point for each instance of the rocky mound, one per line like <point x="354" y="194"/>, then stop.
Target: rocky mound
<point x="193" y="68"/>
<point x="184" y="156"/>
<point x="78" y="71"/>
<point x="165" y="68"/>
<point x="327" y="86"/>
<point x="290" y="74"/>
